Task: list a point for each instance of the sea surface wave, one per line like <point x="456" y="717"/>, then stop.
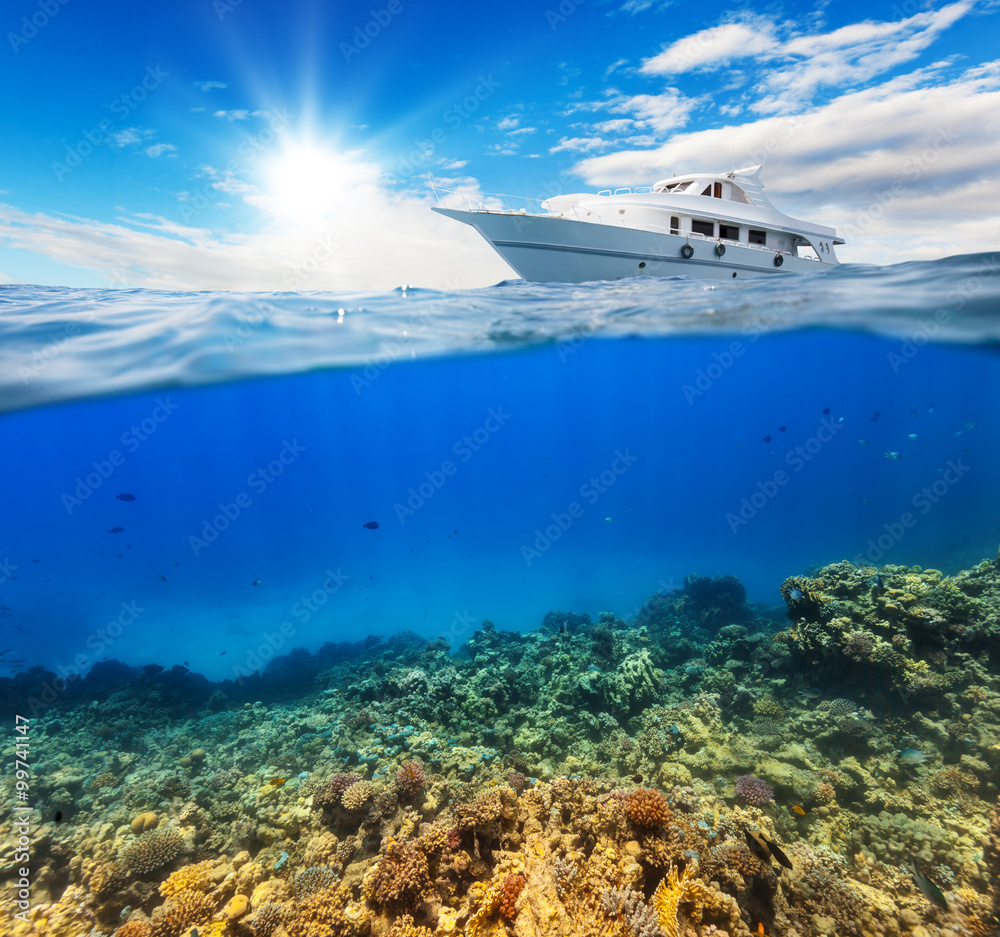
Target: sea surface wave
<point x="62" y="344"/>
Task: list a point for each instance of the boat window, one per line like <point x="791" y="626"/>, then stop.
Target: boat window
<point x="703" y="227"/>
<point x="731" y="232"/>
<point x="757" y="237"/>
<point x="675" y="224"/>
<point x="718" y="190"/>
<point x="736" y="194"/>
<point x="708" y="191"/>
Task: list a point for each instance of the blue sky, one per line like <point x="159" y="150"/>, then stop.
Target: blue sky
<point x="241" y="144"/>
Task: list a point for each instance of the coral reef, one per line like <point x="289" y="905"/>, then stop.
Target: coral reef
<point x="586" y="779"/>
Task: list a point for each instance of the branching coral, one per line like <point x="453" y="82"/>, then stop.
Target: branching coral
<point x="410" y="778"/>
<point x="151" y="851"/>
<point x="399" y="878"/>
<point x="673" y="890"/>
<point x="752" y="790"/>
<point x="320" y="915"/>
<point x="358" y="795"/>
<point x="312" y="880"/>
<point x="331" y="794"/>
<point x="182" y="912"/>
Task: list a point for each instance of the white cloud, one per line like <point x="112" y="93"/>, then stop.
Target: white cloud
<point x="381" y="239"/>
<point x="210" y="85"/>
<point x="749" y="36"/>
<point x="508" y="123"/>
<point x="906" y="162"/>
<point x="580" y="145"/>
<point x="158" y="149"/>
<point x="241" y="114"/>
<point x="130" y="136"/>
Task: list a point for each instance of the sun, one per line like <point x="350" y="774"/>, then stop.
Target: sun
<point x="308" y="182"/>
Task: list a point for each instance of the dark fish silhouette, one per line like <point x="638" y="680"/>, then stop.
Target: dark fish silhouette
<point x="783" y="429"/>
<point x="371" y="525"/>
<point x="125" y="496"/>
<point x="223" y="653"/>
<point x="875" y="416"/>
<point x="927" y="888"/>
<point x="36" y="561"/>
<point x="765" y="850"/>
<point x="115" y="530"/>
<point x="257" y="582"/>
<point x="58" y="816"/>
<point x="161" y="578"/>
<point x="767" y="439"/>
<point x="826" y="411"/>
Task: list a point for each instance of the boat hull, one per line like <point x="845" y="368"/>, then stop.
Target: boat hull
<point x="563" y="250"/>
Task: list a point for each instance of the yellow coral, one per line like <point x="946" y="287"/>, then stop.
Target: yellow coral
<point x="671" y="892"/>
<point x="189" y="878"/>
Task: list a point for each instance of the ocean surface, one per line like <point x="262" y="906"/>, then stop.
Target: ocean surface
<point x="196" y="478"/>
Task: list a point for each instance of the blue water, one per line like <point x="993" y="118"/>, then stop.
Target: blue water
<point x="522" y="448"/>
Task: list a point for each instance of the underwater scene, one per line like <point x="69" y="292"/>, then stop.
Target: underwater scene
<point x="659" y="608"/>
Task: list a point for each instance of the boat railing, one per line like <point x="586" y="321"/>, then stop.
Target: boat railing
<point x="523" y="205"/>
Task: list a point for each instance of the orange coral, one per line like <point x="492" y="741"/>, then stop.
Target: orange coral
<point x="403" y="926"/>
<point x="510" y="891"/>
<point x="182" y="912"/>
<point x="647" y="807"/>
<point x="188" y="878"/>
<point x="320" y="915"/>
<point x="134" y="929"/>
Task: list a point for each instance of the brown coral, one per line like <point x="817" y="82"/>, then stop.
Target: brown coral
<point x="399" y="878"/>
<point x="106" y="879"/>
<point x="332" y="793"/>
<point x="410" y="778"/>
<point x="647" y="807"/>
<point x="510" y="891"/>
<point x="357" y="795"/>
<point x="320" y="915"/>
<point x="403" y="926"/>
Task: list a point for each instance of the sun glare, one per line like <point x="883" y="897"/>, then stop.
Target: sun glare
<point x="308" y="182"/>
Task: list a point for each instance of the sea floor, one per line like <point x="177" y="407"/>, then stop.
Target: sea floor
<point x="709" y="767"/>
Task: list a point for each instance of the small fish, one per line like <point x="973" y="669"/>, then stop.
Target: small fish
<point x="115" y="530"/>
<point x="911" y="435"/>
<point x="874" y="417"/>
<point x="223" y="653"/>
<point x="826" y="411"/>
<point x="927" y="888"/>
<point x="562" y="628"/>
<point x="969" y="424"/>
<point x="795" y="594"/>
<point x="876" y="582"/>
<point x="810" y="693"/>
<point x="58" y="816"/>
<point x="913" y="756"/>
<point x="175" y="563"/>
<point x="455" y="531"/>
<point x="609" y="520"/>
<point x="760" y="929"/>
<point x="767" y="439"/>
<point x="257" y="582"/>
<point x="913" y="411"/>
<point x="161" y="578"/>
<point x="893" y="456"/>
<point x="865" y="500"/>
<point x="637" y="778"/>
<point x="783" y="429"/>
<point x="36" y="561"/>
<point x="799" y="809"/>
<point x="125" y="496"/>
<point x="864" y="442"/>
<point x="277" y="782"/>
<point x="371" y="525"/>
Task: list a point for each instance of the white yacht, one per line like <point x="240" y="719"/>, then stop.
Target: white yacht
<point x="715" y="225"/>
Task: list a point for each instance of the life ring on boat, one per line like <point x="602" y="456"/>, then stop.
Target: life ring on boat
<point x="778" y="260"/>
<point x="687" y="252"/>
<point x="720" y="249"/>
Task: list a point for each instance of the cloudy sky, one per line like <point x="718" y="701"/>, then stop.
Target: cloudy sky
<point x="247" y="144"/>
